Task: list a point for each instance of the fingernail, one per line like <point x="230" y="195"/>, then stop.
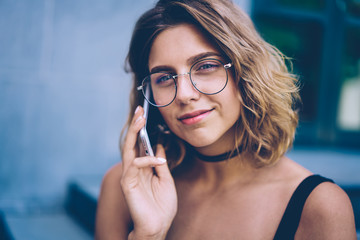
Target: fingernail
<point x="161" y="160"/>
<point x="137" y="109"/>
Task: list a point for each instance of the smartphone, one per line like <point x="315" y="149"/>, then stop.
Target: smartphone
<point x="144" y="137"/>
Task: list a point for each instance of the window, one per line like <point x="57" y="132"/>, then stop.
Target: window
<point x="348" y="117"/>
<point x="323" y="39"/>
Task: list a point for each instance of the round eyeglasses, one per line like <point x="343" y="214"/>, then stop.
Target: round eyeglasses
<point x="208" y="76"/>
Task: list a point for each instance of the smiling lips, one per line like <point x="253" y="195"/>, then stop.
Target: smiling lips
<point x="194" y="117"/>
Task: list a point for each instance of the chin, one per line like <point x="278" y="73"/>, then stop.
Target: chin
<point x="200" y="142"/>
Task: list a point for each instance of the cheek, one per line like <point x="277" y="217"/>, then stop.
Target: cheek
<point x="232" y="103"/>
<point x="166" y="114"/>
<point x="233" y="94"/>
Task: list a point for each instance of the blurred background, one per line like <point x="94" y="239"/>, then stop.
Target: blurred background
<point x="64" y="99"/>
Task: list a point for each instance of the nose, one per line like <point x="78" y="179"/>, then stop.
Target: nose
<point x="186" y="92"/>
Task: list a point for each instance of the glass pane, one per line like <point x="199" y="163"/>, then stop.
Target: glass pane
<point x="304" y="4"/>
<point x="353" y="7"/>
<point x="300" y="41"/>
<point x="349" y="101"/>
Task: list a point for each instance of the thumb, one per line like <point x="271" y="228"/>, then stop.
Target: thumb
<point x="162" y="170"/>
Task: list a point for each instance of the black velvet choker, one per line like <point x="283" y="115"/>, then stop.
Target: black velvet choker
<point x="218" y="158"/>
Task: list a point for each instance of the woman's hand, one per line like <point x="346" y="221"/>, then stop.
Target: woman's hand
<point x="148" y="187"/>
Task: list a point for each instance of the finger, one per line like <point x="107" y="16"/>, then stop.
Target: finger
<point x="141" y="163"/>
<point x="162" y="170"/>
<point x="137" y="123"/>
<point x="148" y="162"/>
<point x="160" y="151"/>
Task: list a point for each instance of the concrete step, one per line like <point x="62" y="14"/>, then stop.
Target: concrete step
<point x="81" y="201"/>
<point x="76" y="221"/>
<point x="55" y="226"/>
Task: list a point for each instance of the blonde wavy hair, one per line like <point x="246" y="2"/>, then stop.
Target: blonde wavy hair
<point x="268" y="91"/>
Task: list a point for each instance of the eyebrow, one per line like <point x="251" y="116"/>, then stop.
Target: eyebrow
<point x="200" y="56"/>
<point x="190" y="61"/>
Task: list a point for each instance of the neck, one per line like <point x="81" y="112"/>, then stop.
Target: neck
<point x="220" y="157"/>
<point x="211" y="175"/>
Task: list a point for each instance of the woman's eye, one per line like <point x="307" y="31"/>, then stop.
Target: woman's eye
<point x="207" y="67"/>
<point x="162" y="79"/>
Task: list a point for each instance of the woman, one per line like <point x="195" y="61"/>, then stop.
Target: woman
<point x="222" y="117"/>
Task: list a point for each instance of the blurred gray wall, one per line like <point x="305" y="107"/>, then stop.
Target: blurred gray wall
<point x="63" y="93"/>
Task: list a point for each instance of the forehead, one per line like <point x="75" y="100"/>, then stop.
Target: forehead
<point x="177" y="44"/>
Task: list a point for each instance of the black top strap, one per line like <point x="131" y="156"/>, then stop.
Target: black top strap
<point x="291" y="218"/>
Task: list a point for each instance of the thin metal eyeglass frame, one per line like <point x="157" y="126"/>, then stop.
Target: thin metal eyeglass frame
<point x="226" y="67"/>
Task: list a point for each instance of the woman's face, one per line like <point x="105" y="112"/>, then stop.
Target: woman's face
<point x="204" y="121"/>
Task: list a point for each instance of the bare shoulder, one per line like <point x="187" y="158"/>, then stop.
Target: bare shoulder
<point x="112" y="217"/>
<point x="113" y="175"/>
<point x="327" y="214"/>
